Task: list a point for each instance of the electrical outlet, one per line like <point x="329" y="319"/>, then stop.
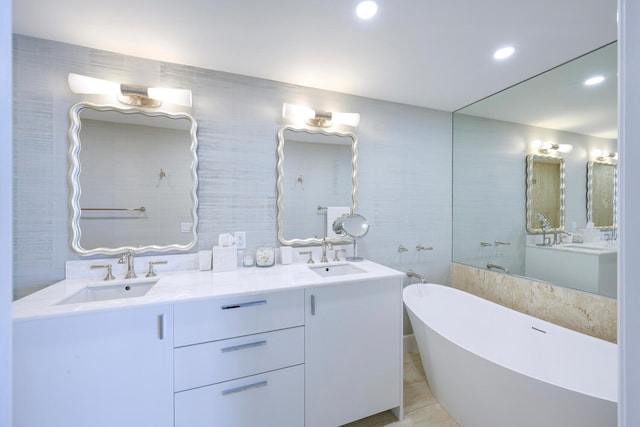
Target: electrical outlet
<point x="241" y="239"/>
<point x="185" y="227"/>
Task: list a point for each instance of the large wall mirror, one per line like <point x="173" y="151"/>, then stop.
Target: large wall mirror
<point x="495" y="192"/>
<point x="545" y="193"/>
<point x="602" y="183"/>
<point x="316" y="183"/>
<point x="133" y="180"/>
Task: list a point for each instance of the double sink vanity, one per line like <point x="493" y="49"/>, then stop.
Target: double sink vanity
<point x="290" y="345"/>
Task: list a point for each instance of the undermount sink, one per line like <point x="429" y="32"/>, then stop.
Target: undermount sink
<point x="117" y="289"/>
<point x="336" y="270"/>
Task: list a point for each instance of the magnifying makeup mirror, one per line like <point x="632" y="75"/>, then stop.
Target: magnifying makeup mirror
<point x="354" y="226"/>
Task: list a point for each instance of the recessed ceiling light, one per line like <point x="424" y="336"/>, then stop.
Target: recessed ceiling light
<point x="504" y="52"/>
<point x="366" y="9"/>
<point x="594" y="80"/>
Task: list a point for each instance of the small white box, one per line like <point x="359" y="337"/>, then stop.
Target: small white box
<point x="224" y="259"/>
<point x="204" y="258"/>
<point x="286" y="255"/>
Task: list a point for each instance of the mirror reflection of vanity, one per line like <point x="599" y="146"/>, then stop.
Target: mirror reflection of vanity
<point x="133" y="180"/>
<point x="602" y="183"/>
<point x="317" y="181"/>
<point x="494" y="195"/>
<point x="545" y="193"/>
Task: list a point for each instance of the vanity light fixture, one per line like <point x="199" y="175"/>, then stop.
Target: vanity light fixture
<point x="604" y="156"/>
<point x="504" y="53"/>
<point x="367" y="9"/>
<point x="323" y="119"/>
<point x="129" y="94"/>
<point x="545" y="147"/>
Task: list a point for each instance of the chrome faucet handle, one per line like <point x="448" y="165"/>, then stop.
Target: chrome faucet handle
<point x="498" y="243"/>
<point x="151" y="273"/>
<point x="402" y="249"/>
<point x="310" y="253"/>
<point x="336" y="258"/>
<point x="422" y="248"/>
<point x="485" y="244"/>
<point x="109" y="275"/>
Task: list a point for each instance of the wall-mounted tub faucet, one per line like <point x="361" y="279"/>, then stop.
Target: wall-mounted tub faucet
<point x="411" y="273"/>
<point x="491" y="265"/>
<point x="127" y="258"/>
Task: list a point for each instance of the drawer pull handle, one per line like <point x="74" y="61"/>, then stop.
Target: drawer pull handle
<point x="244" y="346"/>
<point x="244" y="388"/>
<point x="243" y="305"/>
<point x="313" y="305"/>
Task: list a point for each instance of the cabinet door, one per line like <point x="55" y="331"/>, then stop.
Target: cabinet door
<point x="112" y="368"/>
<point x="353" y="351"/>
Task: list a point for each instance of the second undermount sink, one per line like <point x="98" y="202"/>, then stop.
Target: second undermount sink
<point x="336" y="270"/>
<point x="117" y="289"/>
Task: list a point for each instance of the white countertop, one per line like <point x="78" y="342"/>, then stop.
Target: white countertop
<point x="179" y="286"/>
<point x="592" y="248"/>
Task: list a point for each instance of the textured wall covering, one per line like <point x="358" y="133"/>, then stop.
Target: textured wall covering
<point x="404" y="159"/>
<point x="579" y="311"/>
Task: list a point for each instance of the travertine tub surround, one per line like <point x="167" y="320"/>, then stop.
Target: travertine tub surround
<point x="579" y="311"/>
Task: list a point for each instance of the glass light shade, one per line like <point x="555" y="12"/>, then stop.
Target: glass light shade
<point x="90" y="85"/>
<point x="172" y="96"/>
<point x="297" y="112"/>
<point x="565" y="148"/>
<point x="349" y="119"/>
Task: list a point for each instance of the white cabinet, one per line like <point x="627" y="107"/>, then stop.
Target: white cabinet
<point x="239" y="361"/>
<point x="353" y="348"/>
<point x="109" y="368"/>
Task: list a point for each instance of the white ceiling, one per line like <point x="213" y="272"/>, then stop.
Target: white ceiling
<point x="435" y="54"/>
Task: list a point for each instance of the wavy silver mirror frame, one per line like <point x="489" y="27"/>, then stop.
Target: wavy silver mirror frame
<point x="76" y="190"/>
<point x="310" y="241"/>
<point x="609" y="199"/>
<point x="532" y="207"/>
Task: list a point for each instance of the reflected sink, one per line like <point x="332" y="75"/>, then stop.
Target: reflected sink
<point x="336" y="270"/>
<point x="583" y="246"/>
<point x="117" y="289"/>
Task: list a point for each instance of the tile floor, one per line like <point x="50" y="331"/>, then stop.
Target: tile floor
<point x="421" y="409"/>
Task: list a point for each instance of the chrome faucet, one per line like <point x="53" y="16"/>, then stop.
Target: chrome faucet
<point x="324" y="249"/>
<point x="128" y="258"/>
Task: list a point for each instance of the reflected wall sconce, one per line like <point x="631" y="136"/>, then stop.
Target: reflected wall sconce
<point x="545" y="147"/>
<point x="323" y="119"/>
<point x="129" y="94"/>
<point x="604" y="156"/>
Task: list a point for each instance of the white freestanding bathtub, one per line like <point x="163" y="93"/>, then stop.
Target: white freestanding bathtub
<point x="490" y="366"/>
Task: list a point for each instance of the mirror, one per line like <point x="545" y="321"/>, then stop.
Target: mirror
<point x="355" y="226"/>
<point x="493" y="204"/>
<point x="316" y="183"/>
<point x="602" y="182"/>
<point x="133" y="180"/>
<point x="545" y="193"/>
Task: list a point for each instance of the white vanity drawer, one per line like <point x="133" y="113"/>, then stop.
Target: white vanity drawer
<point x="220" y="318"/>
<point x="214" y="362"/>
<point x="273" y="399"/>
